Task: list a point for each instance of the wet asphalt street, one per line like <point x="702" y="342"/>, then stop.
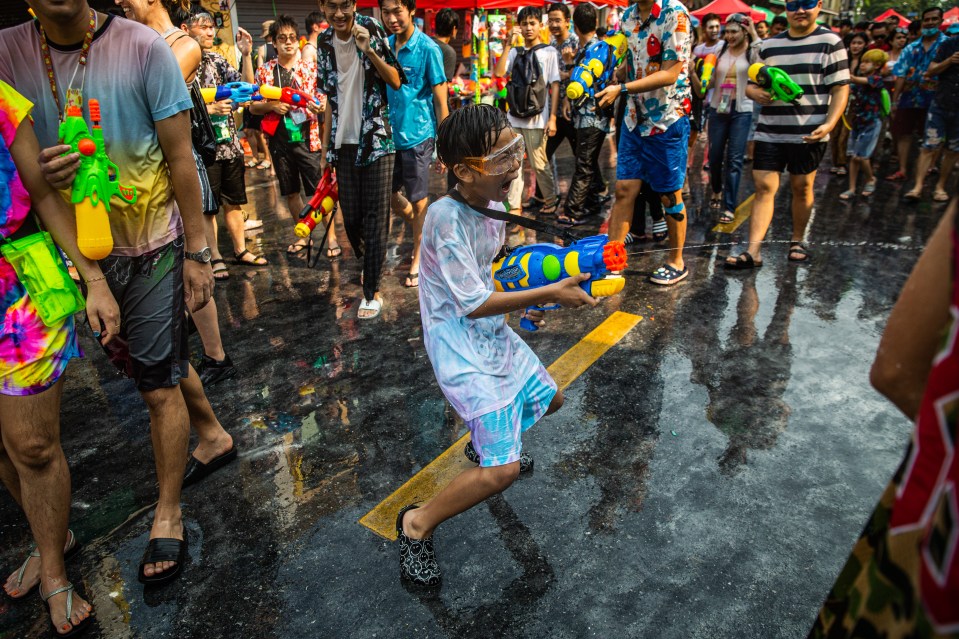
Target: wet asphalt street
<point x="706" y="477"/>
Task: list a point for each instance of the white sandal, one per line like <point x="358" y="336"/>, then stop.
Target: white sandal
<point x="374" y="305"/>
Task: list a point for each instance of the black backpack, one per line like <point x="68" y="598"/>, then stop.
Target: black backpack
<point x="526" y="92"/>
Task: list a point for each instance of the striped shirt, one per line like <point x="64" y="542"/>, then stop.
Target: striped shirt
<point x="817" y="63"/>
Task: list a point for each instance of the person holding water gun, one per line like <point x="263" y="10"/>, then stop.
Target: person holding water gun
<point x="490" y="376"/>
<point x="866" y="113"/>
<point x="35" y="470"/>
<point x="585" y="199"/>
<point x="228" y="174"/>
<point x="293" y="133"/>
<point x="794" y="135"/>
<point x="653" y="146"/>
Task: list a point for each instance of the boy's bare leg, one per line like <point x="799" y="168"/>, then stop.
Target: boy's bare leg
<point x="30" y="432"/>
<point x="213" y="438"/>
<point x="465" y="491"/>
<point x="170" y="434"/>
<point x="767" y="183"/>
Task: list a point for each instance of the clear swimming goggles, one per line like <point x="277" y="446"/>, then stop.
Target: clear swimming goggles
<point x="501" y="161"/>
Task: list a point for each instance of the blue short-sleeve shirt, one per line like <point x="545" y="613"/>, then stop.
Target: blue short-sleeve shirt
<point x="411" y="107"/>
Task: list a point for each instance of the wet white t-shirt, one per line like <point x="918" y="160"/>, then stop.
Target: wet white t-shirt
<point x="480" y="364"/>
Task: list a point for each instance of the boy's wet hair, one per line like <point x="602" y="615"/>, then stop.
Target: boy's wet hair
<point x="470" y="132"/>
<point x="536" y="13"/>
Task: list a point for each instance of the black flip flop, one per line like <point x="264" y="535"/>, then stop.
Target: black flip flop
<point x="797" y="247"/>
<point x="743" y="262"/>
<point x="238" y="258"/>
<point x="163" y="549"/>
<point x="197" y="470"/>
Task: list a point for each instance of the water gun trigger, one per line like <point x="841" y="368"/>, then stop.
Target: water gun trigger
<point x="128" y="194"/>
<point x="606" y="287"/>
<point x="529" y="325"/>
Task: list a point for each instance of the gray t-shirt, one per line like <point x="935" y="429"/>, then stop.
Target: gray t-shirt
<point x="449" y="58"/>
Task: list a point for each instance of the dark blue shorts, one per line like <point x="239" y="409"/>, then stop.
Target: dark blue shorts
<point x="942" y="127"/>
<point x="658" y="160"/>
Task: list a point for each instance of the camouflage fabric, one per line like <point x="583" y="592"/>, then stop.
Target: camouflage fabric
<point x="902" y="578"/>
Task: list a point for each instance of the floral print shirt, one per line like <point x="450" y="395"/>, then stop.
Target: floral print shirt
<point x="918" y="91"/>
<point x="585" y="114"/>
<point x="865" y="105"/>
<point x="571" y="44"/>
<point x="215" y="71"/>
<point x="304" y="79"/>
<point x="664" y="37"/>
<point x="376" y="137"/>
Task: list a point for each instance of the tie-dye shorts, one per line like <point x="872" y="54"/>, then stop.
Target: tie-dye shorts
<point x="33" y="355"/>
<point x="496" y="435"/>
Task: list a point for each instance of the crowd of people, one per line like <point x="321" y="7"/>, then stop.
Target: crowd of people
<point x="383" y="122"/>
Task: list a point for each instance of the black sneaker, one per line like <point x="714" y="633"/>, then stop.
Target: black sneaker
<point x="525" y="461"/>
<point x="212" y="371"/>
<point x="417" y="559"/>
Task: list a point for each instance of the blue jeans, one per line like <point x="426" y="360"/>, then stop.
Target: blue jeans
<point x="727" y="145"/>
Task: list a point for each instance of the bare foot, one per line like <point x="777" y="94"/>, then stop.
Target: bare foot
<point x="58" y="607"/>
<point x="31" y="574"/>
<point x="208" y="450"/>
<point x="168" y="529"/>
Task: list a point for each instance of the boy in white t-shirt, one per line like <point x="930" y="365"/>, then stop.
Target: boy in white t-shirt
<point x="537" y="128"/>
<point x="487" y="372"/>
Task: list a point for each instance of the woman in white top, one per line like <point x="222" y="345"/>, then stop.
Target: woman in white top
<point x="730" y="115"/>
<point x="898" y="43"/>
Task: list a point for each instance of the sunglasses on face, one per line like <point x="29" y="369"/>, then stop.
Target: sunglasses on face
<point x="501" y="161"/>
<point x="805" y="5"/>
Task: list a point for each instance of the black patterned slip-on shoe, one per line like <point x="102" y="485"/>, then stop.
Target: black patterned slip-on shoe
<point x="525" y="461"/>
<point x="417" y="559"/>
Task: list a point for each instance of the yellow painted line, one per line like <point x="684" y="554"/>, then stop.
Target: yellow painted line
<point x="451" y="462"/>
<point x="743" y="211"/>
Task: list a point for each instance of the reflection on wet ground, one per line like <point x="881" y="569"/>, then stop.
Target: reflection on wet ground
<point x="706" y="477"/>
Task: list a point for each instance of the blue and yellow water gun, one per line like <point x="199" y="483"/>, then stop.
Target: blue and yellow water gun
<point x="595" y="71"/>
<point x="237" y="92"/>
<point x="536" y="265"/>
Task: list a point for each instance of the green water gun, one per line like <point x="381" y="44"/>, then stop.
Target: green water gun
<point x="95" y="184"/>
<point x="776" y="81"/>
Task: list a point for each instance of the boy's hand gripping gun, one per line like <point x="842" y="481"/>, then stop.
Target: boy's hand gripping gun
<point x="538" y="265"/>
<point x="237" y="92"/>
<point x="596" y="69"/>
<point x="96" y="182"/>
<point x="321" y="204"/>
<point x="776" y="81"/>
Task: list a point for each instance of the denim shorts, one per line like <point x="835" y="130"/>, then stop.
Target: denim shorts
<point x="863" y="139"/>
<point x="496" y="435"/>
<point x="658" y="160"/>
<point x="942" y="127"/>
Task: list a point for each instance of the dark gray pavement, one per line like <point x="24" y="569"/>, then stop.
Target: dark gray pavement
<point x="706" y="478"/>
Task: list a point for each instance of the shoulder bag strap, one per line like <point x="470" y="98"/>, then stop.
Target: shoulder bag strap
<point x="503" y="216"/>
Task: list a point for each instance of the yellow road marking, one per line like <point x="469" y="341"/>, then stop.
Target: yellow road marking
<point x="451" y="462"/>
<point x="743" y="211"/>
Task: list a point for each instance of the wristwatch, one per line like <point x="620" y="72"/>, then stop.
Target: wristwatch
<point x="623" y="89"/>
<point x="202" y="256"/>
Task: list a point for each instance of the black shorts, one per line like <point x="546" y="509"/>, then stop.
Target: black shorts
<point x="251" y="121"/>
<point x="411" y="170"/>
<point x="696" y="116"/>
<point x="295" y="164"/>
<point x="228" y="181"/>
<point x="152" y="347"/>
<point x="800" y="158"/>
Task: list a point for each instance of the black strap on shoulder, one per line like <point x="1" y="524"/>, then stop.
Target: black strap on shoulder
<point x="503" y="216"/>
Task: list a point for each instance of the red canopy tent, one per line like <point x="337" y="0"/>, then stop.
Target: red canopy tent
<point x="903" y="20"/>
<point x="951" y="16"/>
<point x="724" y="8"/>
